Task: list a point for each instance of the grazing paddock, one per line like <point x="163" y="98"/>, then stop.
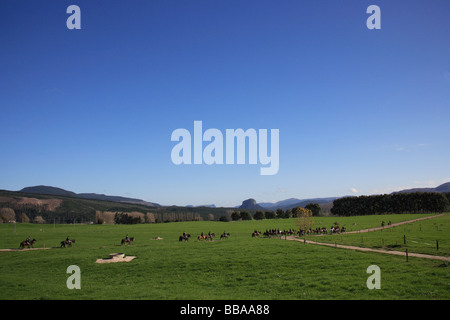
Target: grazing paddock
<point x="240" y="267"/>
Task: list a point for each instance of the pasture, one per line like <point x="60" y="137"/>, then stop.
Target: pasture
<point x="239" y="268"/>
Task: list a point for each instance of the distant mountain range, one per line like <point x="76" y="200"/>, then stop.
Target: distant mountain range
<point x="93" y="196"/>
<point x="249" y="204"/>
<point x="203" y="205"/>
<point x="294" y="202"/>
<point x="445" y="187"/>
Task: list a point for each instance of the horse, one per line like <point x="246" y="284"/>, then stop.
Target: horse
<point x="185" y="238"/>
<point x="224" y="235"/>
<point x="27" y="243"/>
<point x="67" y="242"/>
<point x="129" y="241"/>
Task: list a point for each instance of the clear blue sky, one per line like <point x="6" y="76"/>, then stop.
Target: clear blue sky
<point x="359" y="111"/>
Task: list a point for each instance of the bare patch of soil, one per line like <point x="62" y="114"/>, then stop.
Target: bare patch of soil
<point x="115" y="257"/>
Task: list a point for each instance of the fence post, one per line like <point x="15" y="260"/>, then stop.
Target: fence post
<point x="404" y="239"/>
<point x="437" y="245"/>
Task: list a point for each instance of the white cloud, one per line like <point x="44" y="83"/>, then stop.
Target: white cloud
<point x="354" y="190"/>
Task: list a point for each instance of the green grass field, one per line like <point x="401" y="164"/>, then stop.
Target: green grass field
<point x="239" y="268"/>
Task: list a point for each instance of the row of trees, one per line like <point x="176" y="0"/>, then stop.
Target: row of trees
<point x="148" y="217"/>
<point x="41" y="214"/>
<point x="313" y="208"/>
<point x="418" y="202"/>
<point x="124" y="218"/>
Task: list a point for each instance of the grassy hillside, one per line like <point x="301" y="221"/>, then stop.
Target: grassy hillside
<point x="84" y="210"/>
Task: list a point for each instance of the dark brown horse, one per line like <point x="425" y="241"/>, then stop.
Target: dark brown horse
<point x="184" y="237"/>
<point x="67" y="242"/>
<point x="129" y="241"/>
<point x="224" y="236"/>
<point x="28" y="244"/>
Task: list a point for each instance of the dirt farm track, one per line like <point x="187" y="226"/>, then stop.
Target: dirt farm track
<point x="398" y="253"/>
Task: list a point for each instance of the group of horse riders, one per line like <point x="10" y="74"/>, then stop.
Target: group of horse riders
<point x="185" y="236"/>
<point x="205" y="237"/>
<point x="28" y="242"/>
<point x="278" y="232"/>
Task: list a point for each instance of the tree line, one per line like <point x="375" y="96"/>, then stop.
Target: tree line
<point x="37" y="214"/>
<point x="418" y="202"/>
<point x="278" y="214"/>
<point x="149" y="217"/>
